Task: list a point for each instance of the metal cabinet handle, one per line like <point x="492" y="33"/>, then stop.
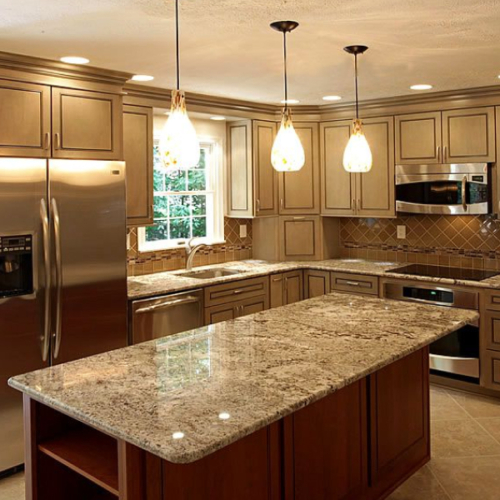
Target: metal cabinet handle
<point x="464" y="192"/>
<point x="278" y="278"/>
<point x="47" y="141"/>
<point x="59" y="276"/>
<point x="445" y="154"/>
<point x="353" y="283"/>
<point x="166" y="305"/>
<point x="48" y="279"/>
<point x="281" y="203"/>
<point x="57" y="141"/>
<point x="353" y="204"/>
<point x="237" y="291"/>
<point x="258" y="205"/>
<point x="438" y="153"/>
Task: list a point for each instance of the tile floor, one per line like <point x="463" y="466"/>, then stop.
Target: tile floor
<point x="465" y="461"/>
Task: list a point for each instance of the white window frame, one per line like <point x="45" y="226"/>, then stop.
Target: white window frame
<point x="217" y="182"/>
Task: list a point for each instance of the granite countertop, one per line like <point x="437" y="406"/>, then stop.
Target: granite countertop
<point x="188" y="395"/>
<point x="151" y="285"/>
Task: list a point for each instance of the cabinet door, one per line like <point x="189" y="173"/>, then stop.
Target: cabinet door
<point x="299" y="191"/>
<point x="418" y="138"/>
<point x="293" y="287"/>
<point x="24" y="119"/>
<point x="469" y="135"/>
<point x="276" y="290"/>
<point x="252" y="306"/>
<point x="375" y="189"/>
<point x="490" y="369"/>
<point x="266" y="177"/>
<point x="316" y="283"/>
<point x="338" y="186"/>
<point x="239" y="169"/>
<point x="86" y="125"/>
<point x="216" y="314"/>
<point x="300" y="238"/>
<point x="138" y="155"/>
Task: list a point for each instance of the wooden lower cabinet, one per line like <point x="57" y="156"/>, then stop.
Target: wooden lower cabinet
<point x="490" y="369"/>
<point x="361" y="442"/>
<point x="316" y="283"/>
<point x="233" y="310"/>
<point x="286" y="288"/>
<point x="360" y="284"/>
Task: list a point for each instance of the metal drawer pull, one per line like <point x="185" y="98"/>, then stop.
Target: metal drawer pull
<point x="278" y="279"/>
<point x="237" y="291"/>
<point x="166" y="305"/>
<point x="357" y="283"/>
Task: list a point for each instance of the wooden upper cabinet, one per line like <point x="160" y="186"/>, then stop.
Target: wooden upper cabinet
<point x="86" y="125"/>
<point x="299" y="191"/>
<point x="266" y="177"/>
<point x="300" y="237"/>
<point x="240" y="170"/>
<point x="24" y="119"/>
<point x="469" y="135"/>
<point x="375" y="189"/>
<point x="338" y="186"/>
<point x="138" y="155"/>
<point x="418" y="138"/>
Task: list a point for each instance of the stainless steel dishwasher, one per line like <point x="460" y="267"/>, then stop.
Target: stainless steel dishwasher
<point x="163" y="316"/>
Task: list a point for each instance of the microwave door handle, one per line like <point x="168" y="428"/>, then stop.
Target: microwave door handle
<point x="464" y="193"/>
<point x="59" y="278"/>
<point x="44" y="216"/>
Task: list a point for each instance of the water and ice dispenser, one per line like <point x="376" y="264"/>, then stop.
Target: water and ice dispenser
<point x="16" y="265"/>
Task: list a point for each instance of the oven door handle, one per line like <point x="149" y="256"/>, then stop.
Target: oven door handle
<point x="464" y="192"/>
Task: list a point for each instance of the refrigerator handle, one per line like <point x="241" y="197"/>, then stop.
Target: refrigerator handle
<point x="44" y="216"/>
<point x="59" y="281"/>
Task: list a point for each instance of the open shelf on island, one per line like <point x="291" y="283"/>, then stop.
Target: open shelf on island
<point x="90" y="453"/>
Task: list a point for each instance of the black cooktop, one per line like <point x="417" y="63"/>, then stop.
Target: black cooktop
<point x="455" y="273"/>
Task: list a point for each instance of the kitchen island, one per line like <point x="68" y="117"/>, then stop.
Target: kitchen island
<point x="322" y="399"/>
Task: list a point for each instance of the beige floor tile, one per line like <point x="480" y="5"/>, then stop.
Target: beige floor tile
<point x="12" y="487"/>
<point x="492" y="425"/>
<point x="477" y="406"/>
<point x="422" y="485"/>
<point x="444" y="407"/>
<point x="461" y="438"/>
<point x="465" y="479"/>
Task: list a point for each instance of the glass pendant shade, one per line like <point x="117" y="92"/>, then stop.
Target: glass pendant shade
<point x="179" y="146"/>
<point x="287" y="154"/>
<point x="357" y="154"/>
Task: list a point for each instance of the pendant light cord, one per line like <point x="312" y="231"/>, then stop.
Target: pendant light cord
<point x="177" y="41"/>
<point x="285" y="72"/>
<point x="356" y="83"/>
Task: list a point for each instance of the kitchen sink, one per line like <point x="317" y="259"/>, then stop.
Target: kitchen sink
<point x="206" y="274"/>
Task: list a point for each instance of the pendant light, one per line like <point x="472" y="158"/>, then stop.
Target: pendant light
<point x="357" y="154"/>
<point x="179" y="146"/>
<point x="287" y="154"/>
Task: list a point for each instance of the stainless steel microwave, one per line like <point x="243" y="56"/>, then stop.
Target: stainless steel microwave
<point x="447" y="189"/>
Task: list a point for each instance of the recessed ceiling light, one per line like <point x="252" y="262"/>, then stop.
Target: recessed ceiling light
<point x="421" y="86"/>
<point x="218" y="118"/>
<point x="290" y="101"/>
<point x="332" y="98"/>
<point x="74" y="60"/>
<point x="142" y="78"/>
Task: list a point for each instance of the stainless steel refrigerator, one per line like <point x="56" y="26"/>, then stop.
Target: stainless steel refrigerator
<point x="63" y="290"/>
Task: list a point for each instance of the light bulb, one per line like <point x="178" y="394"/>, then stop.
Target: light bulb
<point x="287" y="154"/>
<point x="179" y="146"/>
<point x="357" y="154"/>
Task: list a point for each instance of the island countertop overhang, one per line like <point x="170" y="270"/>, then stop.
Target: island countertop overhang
<point x="186" y="396"/>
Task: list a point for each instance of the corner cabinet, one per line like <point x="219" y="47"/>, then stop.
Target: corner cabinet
<point x="366" y="195"/>
<point x="138" y="155"/>
<point x="299" y="192"/>
<point x="286" y="288"/>
<point x="252" y="180"/>
<point x="86" y="125"/>
<point x="456" y="136"/>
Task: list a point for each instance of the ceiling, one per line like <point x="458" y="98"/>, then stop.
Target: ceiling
<point x="228" y="49"/>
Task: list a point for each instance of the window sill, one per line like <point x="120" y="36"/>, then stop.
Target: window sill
<point x="165" y="246"/>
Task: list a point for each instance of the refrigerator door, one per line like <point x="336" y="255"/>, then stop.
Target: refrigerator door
<point x="88" y="225"/>
<point x="22" y="308"/>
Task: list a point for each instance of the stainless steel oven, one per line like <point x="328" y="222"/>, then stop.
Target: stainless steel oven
<point x="457" y="353"/>
<point x="449" y="189"/>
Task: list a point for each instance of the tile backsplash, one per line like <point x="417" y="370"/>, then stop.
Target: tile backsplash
<point x="235" y="248"/>
<point x="459" y="241"/>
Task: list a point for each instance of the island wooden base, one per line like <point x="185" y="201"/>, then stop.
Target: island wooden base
<point x="359" y="443"/>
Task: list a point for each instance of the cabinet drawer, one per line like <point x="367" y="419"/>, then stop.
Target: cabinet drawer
<point x="233" y="310"/>
<point x="491" y="300"/>
<point x="238" y="290"/>
<point x="490" y="369"/>
<point x="490" y="330"/>
<point x="354" y="283"/>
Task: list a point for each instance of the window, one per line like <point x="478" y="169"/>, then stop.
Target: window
<point x="187" y="203"/>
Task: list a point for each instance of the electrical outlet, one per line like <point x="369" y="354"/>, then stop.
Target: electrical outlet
<point x="243" y="231"/>
<point x="401" y="232"/>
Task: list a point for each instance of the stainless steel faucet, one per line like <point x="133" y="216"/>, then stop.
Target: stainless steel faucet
<point x="191" y="250"/>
